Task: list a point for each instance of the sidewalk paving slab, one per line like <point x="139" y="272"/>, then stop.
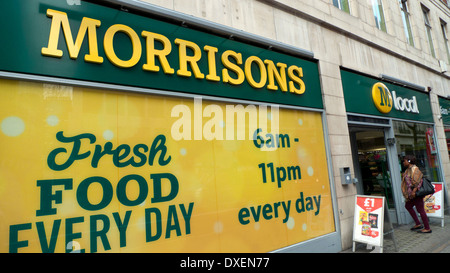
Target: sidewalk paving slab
<point x="412" y="242"/>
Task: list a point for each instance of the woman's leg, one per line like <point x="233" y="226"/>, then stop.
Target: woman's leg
<point x="418" y="202"/>
<point x="409" y="205"/>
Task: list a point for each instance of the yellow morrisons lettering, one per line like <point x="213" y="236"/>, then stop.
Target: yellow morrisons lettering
<point x="274" y="77"/>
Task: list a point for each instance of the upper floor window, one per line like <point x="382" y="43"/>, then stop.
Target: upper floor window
<point x="406" y="22"/>
<point x="444" y="35"/>
<point x="342" y="5"/>
<point x="378" y="13"/>
<point x="426" y="19"/>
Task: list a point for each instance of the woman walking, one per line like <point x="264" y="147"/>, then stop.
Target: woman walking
<point x="411" y="182"/>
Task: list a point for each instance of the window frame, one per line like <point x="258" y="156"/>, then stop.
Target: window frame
<point x="428" y="29"/>
<point x="378" y="13"/>
<point x="445" y="37"/>
<point x="340" y="5"/>
<point x="406" y="19"/>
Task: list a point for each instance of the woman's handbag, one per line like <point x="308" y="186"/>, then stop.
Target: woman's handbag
<point x="426" y="188"/>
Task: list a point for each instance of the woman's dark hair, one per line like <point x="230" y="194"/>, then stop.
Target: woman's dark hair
<point x="410" y="158"/>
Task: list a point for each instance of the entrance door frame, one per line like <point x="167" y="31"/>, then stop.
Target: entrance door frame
<point x="353" y="142"/>
<point x="399" y="214"/>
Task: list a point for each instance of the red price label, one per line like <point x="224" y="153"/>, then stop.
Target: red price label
<point x="374" y="234"/>
<point x="369" y="204"/>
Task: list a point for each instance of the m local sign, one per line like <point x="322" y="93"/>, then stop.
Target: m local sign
<point x="383" y="100"/>
<point x="370" y="96"/>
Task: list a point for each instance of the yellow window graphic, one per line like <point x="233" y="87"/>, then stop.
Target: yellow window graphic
<point x="89" y="170"/>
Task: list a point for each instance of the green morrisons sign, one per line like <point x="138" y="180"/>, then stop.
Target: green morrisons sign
<point x="444" y="107"/>
<point x="102" y="44"/>
<point x="371" y="96"/>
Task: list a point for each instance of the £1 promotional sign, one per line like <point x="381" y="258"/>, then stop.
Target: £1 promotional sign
<point x="368" y="223"/>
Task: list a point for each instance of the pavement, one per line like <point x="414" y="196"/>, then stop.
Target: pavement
<point x="408" y="241"/>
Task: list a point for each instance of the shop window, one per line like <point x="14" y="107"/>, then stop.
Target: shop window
<point x="342" y="5"/>
<point x="426" y="19"/>
<point x="406" y="21"/>
<point x="447" y="137"/>
<point x="418" y="140"/>
<point x="219" y="170"/>
<point x="378" y="13"/>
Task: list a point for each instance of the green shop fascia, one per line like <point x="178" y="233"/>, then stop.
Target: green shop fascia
<point x="402" y="112"/>
<point x="92" y="42"/>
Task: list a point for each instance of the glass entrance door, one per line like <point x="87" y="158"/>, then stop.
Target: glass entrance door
<point x="370" y="159"/>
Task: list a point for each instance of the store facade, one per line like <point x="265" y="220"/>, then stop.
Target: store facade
<point x="388" y="119"/>
<point x="121" y="122"/>
<point x="122" y="132"/>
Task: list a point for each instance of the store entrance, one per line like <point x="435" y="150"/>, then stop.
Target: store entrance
<point x="370" y="159"/>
